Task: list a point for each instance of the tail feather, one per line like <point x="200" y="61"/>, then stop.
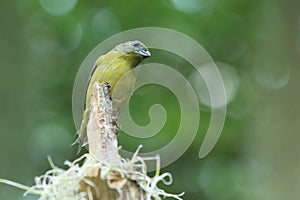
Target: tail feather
<point x="82" y="139"/>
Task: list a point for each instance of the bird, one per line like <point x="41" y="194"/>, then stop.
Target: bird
<point x="117" y="68"/>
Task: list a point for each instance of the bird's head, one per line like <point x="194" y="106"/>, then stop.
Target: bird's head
<point x="133" y="48"/>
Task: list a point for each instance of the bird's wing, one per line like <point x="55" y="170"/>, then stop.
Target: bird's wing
<point x="88" y="82"/>
<point x="99" y="72"/>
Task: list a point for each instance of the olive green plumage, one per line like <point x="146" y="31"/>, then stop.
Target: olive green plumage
<point x="117" y="68"/>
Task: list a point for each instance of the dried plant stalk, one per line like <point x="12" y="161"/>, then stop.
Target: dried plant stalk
<point x="102" y="128"/>
<point x="102" y="132"/>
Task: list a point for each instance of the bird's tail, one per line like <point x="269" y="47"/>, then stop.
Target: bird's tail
<point x="82" y="139"/>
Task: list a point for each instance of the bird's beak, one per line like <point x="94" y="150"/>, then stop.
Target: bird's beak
<point x="144" y="53"/>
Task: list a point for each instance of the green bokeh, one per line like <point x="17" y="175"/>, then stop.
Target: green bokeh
<point x="42" y="44"/>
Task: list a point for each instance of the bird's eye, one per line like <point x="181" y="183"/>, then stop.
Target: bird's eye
<point x="136" y="44"/>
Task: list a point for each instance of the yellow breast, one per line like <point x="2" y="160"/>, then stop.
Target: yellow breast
<point x="118" y="70"/>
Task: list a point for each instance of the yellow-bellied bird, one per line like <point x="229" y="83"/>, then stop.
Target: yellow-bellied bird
<point x="117" y="68"/>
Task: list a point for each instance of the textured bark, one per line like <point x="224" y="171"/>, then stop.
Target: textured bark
<point x="102" y="132"/>
<point x="102" y="128"/>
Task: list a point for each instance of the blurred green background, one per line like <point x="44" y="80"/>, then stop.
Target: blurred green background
<point x="257" y="46"/>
